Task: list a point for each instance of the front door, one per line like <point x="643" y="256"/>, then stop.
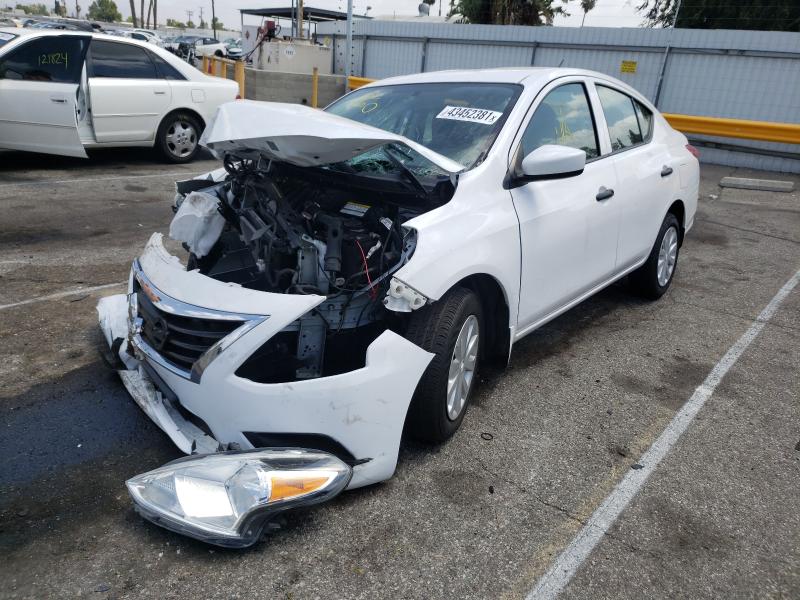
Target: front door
<point x="568" y="227"/>
<point x="127" y="95"/>
<point x="39" y="86"/>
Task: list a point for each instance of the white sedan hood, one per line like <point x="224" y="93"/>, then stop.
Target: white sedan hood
<point x="301" y="135"/>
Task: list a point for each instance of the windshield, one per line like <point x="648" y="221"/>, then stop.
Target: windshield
<point x="457" y="120"/>
<point x="6" y="37"/>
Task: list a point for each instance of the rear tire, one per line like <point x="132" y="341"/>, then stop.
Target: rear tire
<point x="178" y="137"/>
<point x="451" y="329"/>
<point x="654" y="277"/>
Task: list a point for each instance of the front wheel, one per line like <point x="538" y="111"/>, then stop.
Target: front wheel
<point x="653" y="278"/>
<point x="178" y="137"/>
<point x="451" y="329"/>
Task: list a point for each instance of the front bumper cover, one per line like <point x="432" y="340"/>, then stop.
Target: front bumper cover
<point x="363" y="410"/>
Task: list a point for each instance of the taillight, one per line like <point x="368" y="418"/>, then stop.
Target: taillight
<point x="695" y="152"/>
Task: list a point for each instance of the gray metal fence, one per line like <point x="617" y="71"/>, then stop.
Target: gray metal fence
<point x="716" y="73"/>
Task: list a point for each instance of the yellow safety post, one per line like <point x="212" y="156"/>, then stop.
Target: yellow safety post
<point x="314" y="87"/>
<point x="205" y="64"/>
<point x="357" y="82"/>
<point x="238" y="75"/>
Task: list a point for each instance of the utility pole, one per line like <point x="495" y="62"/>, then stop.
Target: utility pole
<point x="677" y="10"/>
<point x="213" y="20"/>
<point x="349" y="45"/>
<point x="189" y="14"/>
<point x="201" y="18"/>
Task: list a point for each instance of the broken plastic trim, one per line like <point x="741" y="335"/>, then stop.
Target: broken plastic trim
<point x="403" y="298"/>
<point x="228" y="498"/>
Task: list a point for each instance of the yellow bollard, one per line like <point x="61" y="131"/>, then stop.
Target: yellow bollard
<point x="314" y="87"/>
<point x="224" y="67"/>
<point x="238" y="75"/>
<point x="205" y="64"/>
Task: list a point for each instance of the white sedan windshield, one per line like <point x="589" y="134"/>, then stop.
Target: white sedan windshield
<point x="458" y="120"/>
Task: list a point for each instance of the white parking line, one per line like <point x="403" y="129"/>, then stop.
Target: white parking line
<point x="64" y="294"/>
<point x="96" y="179"/>
<point x="568" y="562"/>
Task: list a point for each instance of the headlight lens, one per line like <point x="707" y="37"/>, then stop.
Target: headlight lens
<point x="228" y="497"/>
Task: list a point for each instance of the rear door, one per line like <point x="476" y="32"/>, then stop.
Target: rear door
<point x="645" y="171"/>
<point x="39" y="86"/>
<point x="128" y="96"/>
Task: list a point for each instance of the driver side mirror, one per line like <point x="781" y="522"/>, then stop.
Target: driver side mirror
<point x="551" y="162"/>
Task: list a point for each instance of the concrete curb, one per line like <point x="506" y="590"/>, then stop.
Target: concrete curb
<point x="764" y="185"/>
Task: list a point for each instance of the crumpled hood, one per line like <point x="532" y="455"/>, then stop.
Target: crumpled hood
<point x="301" y="135"/>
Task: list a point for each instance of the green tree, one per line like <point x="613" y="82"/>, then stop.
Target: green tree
<point x="190" y="24"/>
<point x="104" y="10"/>
<point x="174" y="23"/>
<point x="33" y="9"/>
<point x="509" y="12"/>
<point x="771" y="15"/>
<point x="217" y="24"/>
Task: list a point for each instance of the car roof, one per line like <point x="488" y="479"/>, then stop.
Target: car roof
<point x="27" y="31"/>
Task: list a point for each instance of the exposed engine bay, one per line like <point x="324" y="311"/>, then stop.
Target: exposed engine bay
<point x="327" y="231"/>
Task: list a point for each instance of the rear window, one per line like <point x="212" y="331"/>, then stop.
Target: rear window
<point x="57" y="59"/>
<point x="120" y="60"/>
<point x="166" y="70"/>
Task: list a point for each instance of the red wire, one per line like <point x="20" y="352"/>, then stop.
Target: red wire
<point x="372" y="292"/>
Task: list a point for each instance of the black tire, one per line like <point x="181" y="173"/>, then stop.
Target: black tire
<point x="435" y="328"/>
<point x="218" y="53"/>
<point x="644" y="280"/>
<point x="169" y="150"/>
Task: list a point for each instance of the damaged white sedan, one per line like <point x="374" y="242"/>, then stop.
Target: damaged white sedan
<point x="349" y="270"/>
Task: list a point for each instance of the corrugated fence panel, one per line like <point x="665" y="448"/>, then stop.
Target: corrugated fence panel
<point x="722" y="73"/>
<point x="475" y="56"/>
<point x="386" y="58"/>
<point x="645" y="79"/>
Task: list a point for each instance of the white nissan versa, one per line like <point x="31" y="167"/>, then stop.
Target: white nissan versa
<point x="349" y="271"/>
<point x="64" y="91"/>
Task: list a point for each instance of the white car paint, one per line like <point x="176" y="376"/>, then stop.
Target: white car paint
<point x="548" y="244"/>
<point x="96" y="112"/>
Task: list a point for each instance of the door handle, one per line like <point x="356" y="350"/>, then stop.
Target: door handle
<point x="58" y="100"/>
<point x="665" y="171"/>
<point x="157" y="93"/>
<point x="604" y="194"/>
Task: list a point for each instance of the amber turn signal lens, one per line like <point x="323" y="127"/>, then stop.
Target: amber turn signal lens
<point x="289" y="486"/>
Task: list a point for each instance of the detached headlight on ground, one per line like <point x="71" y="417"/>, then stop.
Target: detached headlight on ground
<point x="227" y="498"/>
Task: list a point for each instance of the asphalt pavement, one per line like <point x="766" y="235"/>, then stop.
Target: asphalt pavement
<point x="483" y="516"/>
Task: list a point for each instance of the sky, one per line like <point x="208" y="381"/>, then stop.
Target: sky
<point x="607" y="13"/>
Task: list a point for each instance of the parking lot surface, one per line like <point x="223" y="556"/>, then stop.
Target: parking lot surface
<point x="483" y="516"/>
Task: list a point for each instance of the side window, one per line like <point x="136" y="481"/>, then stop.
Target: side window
<point x="564" y="118"/>
<point x="645" y="117"/>
<point x="623" y="126"/>
<point x="165" y="70"/>
<point x="112" y="59"/>
<point x="57" y="59"/>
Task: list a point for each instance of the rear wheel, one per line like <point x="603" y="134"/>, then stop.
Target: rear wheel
<point x="653" y="278"/>
<point x="178" y="137"/>
<point x="451" y="329"/>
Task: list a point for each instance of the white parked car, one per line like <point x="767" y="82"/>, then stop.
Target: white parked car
<point x="206" y="46"/>
<point x="63" y="92"/>
<point x="351" y="270"/>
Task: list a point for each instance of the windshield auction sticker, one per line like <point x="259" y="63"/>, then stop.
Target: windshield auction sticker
<point x="473" y="115"/>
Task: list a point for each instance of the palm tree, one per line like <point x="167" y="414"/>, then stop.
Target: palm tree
<point x="133" y="13"/>
<point x="586" y="6"/>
